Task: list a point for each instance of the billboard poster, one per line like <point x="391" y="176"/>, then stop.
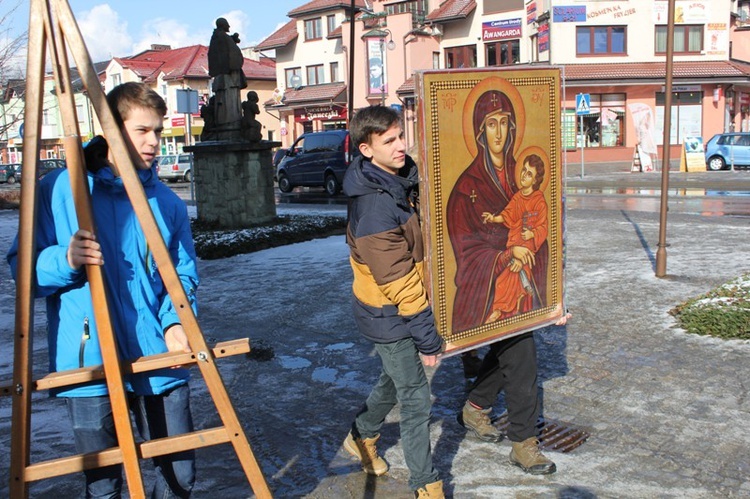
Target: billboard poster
<point x="376" y="76"/>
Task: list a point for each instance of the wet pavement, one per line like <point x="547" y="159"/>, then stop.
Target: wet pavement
<point x="664" y="410"/>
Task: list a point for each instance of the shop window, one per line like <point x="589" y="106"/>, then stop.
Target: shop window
<point x="600" y="40"/>
<point x="461" y="57"/>
<point x="315" y="75"/>
<point x="502" y="53"/>
<point x="604" y="126"/>
<point x="313" y="29"/>
<point x="687" y="39"/>
<point x="686" y="118"/>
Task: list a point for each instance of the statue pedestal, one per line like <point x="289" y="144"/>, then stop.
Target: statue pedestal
<point x="234" y="182"/>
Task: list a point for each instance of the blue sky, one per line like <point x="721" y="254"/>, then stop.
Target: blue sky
<point x="122" y="28"/>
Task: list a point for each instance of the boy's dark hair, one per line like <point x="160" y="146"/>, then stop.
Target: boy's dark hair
<point x="371" y="120"/>
<point x="537" y="162"/>
<point x="127" y="96"/>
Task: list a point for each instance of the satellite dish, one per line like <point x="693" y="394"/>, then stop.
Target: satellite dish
<point x="296" y="81"/>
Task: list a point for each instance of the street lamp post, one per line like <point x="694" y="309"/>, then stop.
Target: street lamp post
<point x="383" y="76"/>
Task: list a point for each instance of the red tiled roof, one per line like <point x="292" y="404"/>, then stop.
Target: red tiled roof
<point x="186" y="62"/>
<point x="451" y="10"/>
<point x="280" y="38"/>
<point x="655" y="70"/>
<point x="331" y="92"/>
<point x="406" y="87"/>
<point x="324" y="5"/>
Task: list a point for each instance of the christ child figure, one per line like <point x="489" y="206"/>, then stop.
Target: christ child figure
<point x="525" y="216"/>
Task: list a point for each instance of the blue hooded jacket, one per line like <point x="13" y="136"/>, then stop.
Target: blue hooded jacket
<point x="139" y="304"/>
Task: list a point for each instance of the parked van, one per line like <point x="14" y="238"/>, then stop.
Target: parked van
<point x="316" y="159"/>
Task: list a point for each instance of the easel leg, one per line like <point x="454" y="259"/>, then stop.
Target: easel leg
<point x="24" y="325"/>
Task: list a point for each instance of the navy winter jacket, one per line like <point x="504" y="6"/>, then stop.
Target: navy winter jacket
<point x="387" y="256"/>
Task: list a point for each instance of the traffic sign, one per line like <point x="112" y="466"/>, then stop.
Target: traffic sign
<point x="583" y="104"/>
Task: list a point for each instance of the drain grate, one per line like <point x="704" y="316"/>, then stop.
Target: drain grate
<point x="553" y="435"/>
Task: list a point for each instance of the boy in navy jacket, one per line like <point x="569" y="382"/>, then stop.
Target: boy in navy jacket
<point x="391" y="307"/>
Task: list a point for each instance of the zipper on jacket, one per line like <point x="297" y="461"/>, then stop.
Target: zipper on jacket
<point x="84" y="338"/>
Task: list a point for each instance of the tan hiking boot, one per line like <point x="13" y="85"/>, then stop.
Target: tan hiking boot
<point x="432" y="490"/>
<point x="527" y="456"/>
<point x="478" y="421"/>
<point x="364" y="449"/>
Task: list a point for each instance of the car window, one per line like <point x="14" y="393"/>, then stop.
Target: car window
<point x="184" y="158"/>
<point x="743" y="140"/>
<point x="165" y="160"/>
<point x="314" y="143"/>
<point x="333" y="142"/>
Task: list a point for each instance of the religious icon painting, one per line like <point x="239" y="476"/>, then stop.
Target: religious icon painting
<point x="491" y="200"/>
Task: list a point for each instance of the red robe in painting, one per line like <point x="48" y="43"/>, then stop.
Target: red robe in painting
<point x="523" y="212"/>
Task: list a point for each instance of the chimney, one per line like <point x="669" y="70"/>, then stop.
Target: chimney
<point x="160" y="48"/>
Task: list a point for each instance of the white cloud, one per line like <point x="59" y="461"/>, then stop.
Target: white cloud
<point x="105" y="33"/>
<point x="239" y="22"/>
<point x="169" y="32"/>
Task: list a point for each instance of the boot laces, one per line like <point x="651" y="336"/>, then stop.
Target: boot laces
<point x="532" y="447"/>
<point x="370" y="450"/>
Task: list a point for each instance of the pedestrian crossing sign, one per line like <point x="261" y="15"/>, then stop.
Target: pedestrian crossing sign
<point x="583" y="104"/>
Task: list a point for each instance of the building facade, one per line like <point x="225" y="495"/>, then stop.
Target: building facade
<point x="614" y="51"/>
<point x="164" y="69"/>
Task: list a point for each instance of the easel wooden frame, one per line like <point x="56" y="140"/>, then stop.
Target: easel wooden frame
<point x="52" y="33"/>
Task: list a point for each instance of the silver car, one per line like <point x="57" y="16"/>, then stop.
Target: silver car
<point x="174" y="167"/>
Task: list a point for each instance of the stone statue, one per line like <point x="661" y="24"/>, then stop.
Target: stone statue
<point x="225" y="62"/>
<point x="251" y="128"/>
<point x="209" y="122"/>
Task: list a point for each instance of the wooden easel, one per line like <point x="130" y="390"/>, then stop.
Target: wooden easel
<point x="51" y="26"/>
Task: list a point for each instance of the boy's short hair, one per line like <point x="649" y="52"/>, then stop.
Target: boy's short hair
<point x="127" y="96"/>
<point x="537" y="162"/>
<point x="371" y="120"/>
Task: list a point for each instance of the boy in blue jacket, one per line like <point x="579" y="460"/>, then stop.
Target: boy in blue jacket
<point x="143" y="317"/>
<point x="391" y="307"/>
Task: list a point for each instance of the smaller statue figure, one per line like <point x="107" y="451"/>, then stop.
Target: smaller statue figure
<point x="251" y="128"/>
<point x="209" y="121"/>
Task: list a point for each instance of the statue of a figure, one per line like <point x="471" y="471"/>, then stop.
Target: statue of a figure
<point x="251" y="128"/>
<point x="209" y="122"/>
<point x="225" y="62"/>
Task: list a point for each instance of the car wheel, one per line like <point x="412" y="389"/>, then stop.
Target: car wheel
<point x="188" y="176"/>
<point x="332" y="185"/>
<point x="284" y="184"/>
<point x="11" y="180"/>
<point x="716" y="163"/>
